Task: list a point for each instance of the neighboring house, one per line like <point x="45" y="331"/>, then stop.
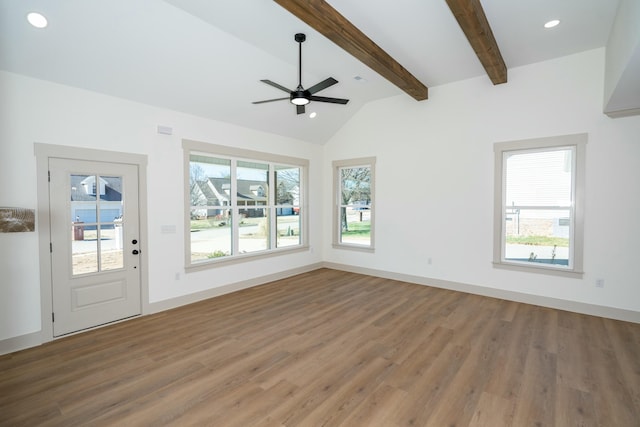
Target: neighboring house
<point x="215" y="192"/>
<point x="84" y="194"/>
<point x="212" y="193"/>
<point x="539" y="179"/>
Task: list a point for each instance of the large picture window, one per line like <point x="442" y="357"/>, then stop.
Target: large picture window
<point x="539" y="189"/>
<point x="242" y="203"/>
<point x="354" y="207"/>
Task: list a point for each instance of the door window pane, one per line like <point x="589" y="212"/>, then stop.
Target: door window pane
<point x="83" y="199"/>
<point x="83" y="217"/>
<point x="112" y="223"/>
<point x="111" y="246"/>
<point x="97" y="240"/>
<point x="84" y="249"/>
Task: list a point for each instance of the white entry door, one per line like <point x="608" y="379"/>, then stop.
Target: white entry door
<point x="94" y="243"/>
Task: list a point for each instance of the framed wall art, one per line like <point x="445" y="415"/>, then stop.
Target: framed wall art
<point x="14" y="220"/>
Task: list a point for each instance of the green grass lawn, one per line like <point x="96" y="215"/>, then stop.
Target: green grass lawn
<point x="538" y="240"/>
<point x="201" y="224"/>
<point x="358" y="229"/>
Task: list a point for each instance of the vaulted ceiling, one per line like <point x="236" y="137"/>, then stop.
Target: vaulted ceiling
<point x="207" y="57"/>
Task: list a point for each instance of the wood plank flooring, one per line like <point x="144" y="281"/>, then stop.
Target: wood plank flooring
<point x="330" y="348"/>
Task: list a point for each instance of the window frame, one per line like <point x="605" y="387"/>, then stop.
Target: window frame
<point x="243" y="155"/>
<point x="576" y="235"/>
<point x="337" y="165"/>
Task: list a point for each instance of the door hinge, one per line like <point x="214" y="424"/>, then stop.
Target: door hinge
<point x="53" y="317"/>
<point x="49" y="176"/>
<point x="50" y="247"/>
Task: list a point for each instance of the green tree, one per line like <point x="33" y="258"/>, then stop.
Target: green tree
<point x="196" y="177"/>
<point x="355" y="188"/>
<point x="288" y="185"/>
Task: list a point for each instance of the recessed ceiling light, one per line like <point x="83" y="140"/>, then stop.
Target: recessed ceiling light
<point x="37" y="20"/>
<point x="552" y="23"/>
<point x="313" y="115"/>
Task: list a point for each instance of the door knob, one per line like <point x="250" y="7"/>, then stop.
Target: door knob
<point x="135" y="252"/>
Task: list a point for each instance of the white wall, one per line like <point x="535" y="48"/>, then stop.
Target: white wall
<point x="434" y="194"/>
<point x="434" y="179"/>
<point x="37" y="111"/>
<point x="622" y="86"/>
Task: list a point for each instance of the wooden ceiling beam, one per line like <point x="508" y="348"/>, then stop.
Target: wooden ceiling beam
<point x="474" y="24"/>
<point x="319" y="15"/>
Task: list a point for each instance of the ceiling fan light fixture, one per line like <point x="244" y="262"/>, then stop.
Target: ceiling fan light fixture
<point x="299" y="101"/>
<point x="300" y="97"/>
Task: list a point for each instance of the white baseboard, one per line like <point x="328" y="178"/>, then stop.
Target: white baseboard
<point x="159" y="306"/>
<point x="560" y="304"/>
<point x="20" y="342"/>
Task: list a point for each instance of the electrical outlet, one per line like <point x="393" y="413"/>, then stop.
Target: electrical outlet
<point x="599" y="283"/>
<point x="177" y="276"/>
<point x="429" y="261"/>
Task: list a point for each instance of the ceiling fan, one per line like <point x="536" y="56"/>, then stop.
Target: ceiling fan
<point x="301" y="96"/>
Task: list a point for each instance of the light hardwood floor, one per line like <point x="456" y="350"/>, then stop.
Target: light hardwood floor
<point x="330" y="348"/>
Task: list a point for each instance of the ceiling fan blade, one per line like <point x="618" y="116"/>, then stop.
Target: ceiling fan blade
<point x="269" y="100"/>
<point x="331" y="100"/>
<point x="276" y="85"/>
<point x="322" y="85"/>
<point x="300" y="109"/>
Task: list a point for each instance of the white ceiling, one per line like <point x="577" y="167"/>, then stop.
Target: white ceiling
<point x="206" y="57"/>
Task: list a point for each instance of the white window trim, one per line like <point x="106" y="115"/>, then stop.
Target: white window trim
<point x="189" y="147"/>
<point x="578" y="141"/>
<point x="337" y="165"/>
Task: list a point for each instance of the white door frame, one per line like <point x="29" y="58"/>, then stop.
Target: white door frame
<point x="45" y="151"/>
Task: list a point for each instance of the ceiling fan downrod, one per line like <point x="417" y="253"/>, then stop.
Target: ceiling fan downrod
<point x="300" y="96"/>
<point x="300" y="38"/>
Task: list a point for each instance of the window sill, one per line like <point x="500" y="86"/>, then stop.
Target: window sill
<point x="354" y="247"/>
<point x="538" y="269"/>
<point x="240" y="259"/>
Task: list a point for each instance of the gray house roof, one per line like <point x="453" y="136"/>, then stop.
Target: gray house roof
<point x="216" y="191"/>
<point x="84" y="190"/>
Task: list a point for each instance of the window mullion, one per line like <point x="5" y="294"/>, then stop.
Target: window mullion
<point x="541" y="208"/>
<point x="96" y="185"/>
<point x="271" y="203"/>
<point x="235" y="214"/>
